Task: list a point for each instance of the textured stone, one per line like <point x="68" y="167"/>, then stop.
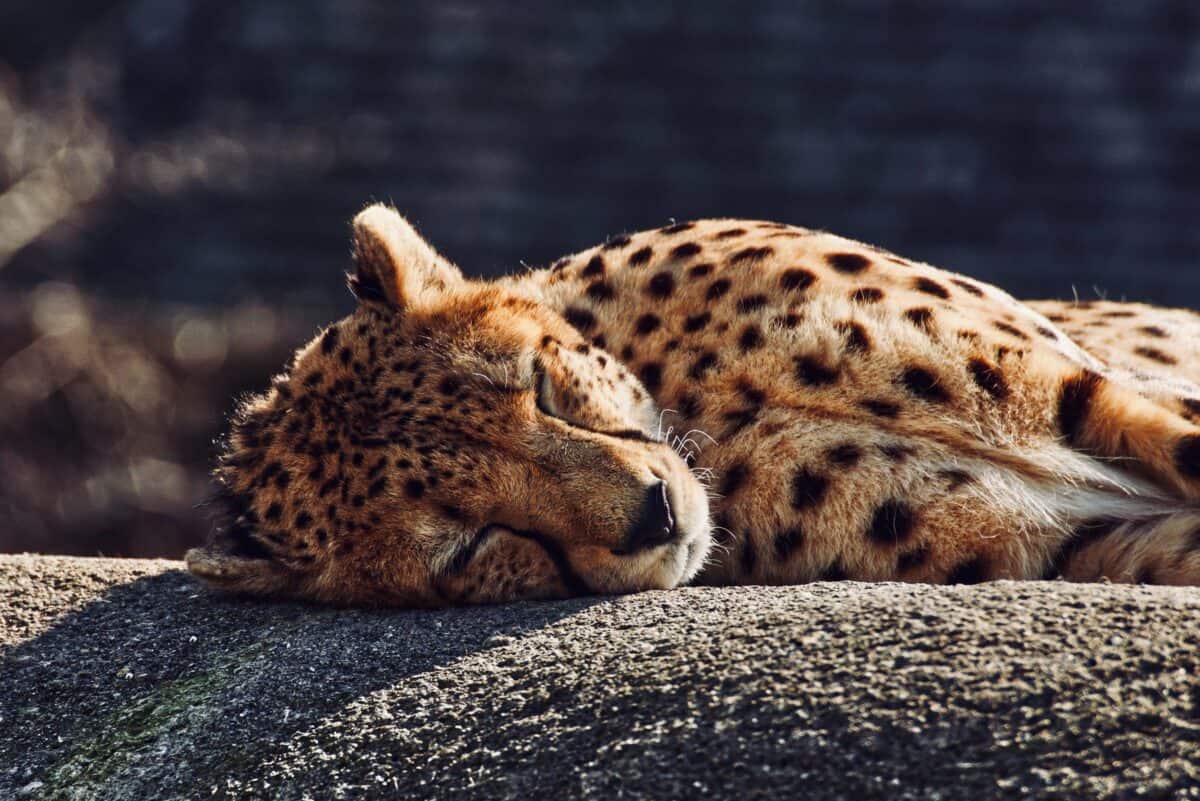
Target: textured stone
<point x="124" y="680"/>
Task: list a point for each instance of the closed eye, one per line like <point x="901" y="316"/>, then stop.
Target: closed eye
<point x="545" y="404"/>
<point x="630" y="433"/>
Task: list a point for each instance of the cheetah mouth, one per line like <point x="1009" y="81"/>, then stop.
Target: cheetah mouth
<point x="571" y="579"/>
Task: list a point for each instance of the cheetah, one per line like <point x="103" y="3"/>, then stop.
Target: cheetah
<point x="715" y="402"/>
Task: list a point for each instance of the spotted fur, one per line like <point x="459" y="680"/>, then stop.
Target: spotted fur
<point x="723" y="401"/>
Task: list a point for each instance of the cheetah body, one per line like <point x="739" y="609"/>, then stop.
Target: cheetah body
<point x="847" y="412"/>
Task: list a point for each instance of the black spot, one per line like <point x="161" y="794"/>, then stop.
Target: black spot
<point x="749" y="555"/>
<point x="690" y="407"/>
<point x="750" y="303"/>
<point x="1155" y="355"/>
<point x="646" y="324"/>
<point x="449" y="385"/>
<point x="930" y="287"/>
<point x="796" y="278"/>
<point x="786" y="542"/>
<point x="600" y="291"/>
<point x="892" y="523"/>
<point x="1046" y="332"/>
<point x="696" y="322"/>
<point x="866" y="294"/>
<point x="329" y="340"/>
<point x="661" y="285"/>
<point x="1154" y="331"/>
<point x="1191" y="404"/>
<point x="1187" y="456"/>
<point x="303" y="520"/>
<point x="706" y="362"/>
<point x="737" y="420"/>
<point x="836" y="571"/>
<point x="717" y="289"/>
<point x="808" y="489"/>
<point x="1012" y="330"/>
<point x="857" y="339"/>
<point x="414" y="488"/>
<point x="675" y="228"/>
<point x="989" y="378"/>
<point x="377" y="486"/>
<point x="582" y="319"/>
<point x="651" y="376"/>
<point x="896" y="451"/>
<point x="344" y="355"/>
<point x="751" y="393"/>
<point x="812" y="372"/>
<point x="640" y="257"/>
<point x="972" y="571"/>
<point x="699" y="270"/>
<point x="750" y="338"/>
<point x="729" y="233"/>
<point x="848" y="262"/>
<point x="912" y="559"/>
<point x="686" y="250"/>
<point x="967" y="286"/>
<point x="1075" y="401"/>
<point x="881" y="408"/>
<point x="789" y="320"/>
<point x="955" y="478"/>
<point x="924" y="385"/>
<point x="921" y="317"/>
<point x="274" y="512"/>
<point x="615" y="242"/>
<point x="734" y="478"/>
<point x="750" y="254"/>
<point x="595" y="267"/>
<point x="844" y="455"/>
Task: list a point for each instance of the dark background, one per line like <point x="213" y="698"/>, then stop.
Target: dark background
<point x="176" y="177"/>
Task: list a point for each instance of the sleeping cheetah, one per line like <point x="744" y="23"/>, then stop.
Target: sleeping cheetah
<point x="722" y="402"/>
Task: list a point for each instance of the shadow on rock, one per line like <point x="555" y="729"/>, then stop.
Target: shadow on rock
<point x="158" y="680"/>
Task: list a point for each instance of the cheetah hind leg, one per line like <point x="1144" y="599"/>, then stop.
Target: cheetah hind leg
<point x="1112" y="422"/>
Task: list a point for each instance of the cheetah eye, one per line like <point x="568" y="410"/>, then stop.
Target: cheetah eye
<point x="544" y="387"/>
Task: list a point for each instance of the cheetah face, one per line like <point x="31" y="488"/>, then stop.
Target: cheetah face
<point x="450" y="442"/>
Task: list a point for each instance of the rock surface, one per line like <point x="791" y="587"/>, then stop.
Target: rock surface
<point x="124" y="680"/>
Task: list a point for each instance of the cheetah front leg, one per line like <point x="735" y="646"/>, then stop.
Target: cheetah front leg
<point x="1164" y="549"/>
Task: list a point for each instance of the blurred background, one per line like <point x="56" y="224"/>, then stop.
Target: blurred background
<point x="176" y="178"/>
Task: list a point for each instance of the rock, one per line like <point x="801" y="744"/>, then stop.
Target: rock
<point x="125" y="680"/>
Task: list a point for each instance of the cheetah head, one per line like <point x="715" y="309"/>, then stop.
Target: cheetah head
<point x="450" y="441"/>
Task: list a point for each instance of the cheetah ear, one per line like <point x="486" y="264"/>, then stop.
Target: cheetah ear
<point x="393" y="264"/>
<point x="224" y="570"/>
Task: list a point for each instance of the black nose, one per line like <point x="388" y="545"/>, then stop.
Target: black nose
<point x="655" y="524"/>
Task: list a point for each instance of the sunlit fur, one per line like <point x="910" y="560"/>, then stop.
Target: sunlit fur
<point x="408" y="436"/>
<point x="818" y="409"/>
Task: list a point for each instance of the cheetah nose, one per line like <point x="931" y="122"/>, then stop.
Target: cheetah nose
<point x="655" y="524"/>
